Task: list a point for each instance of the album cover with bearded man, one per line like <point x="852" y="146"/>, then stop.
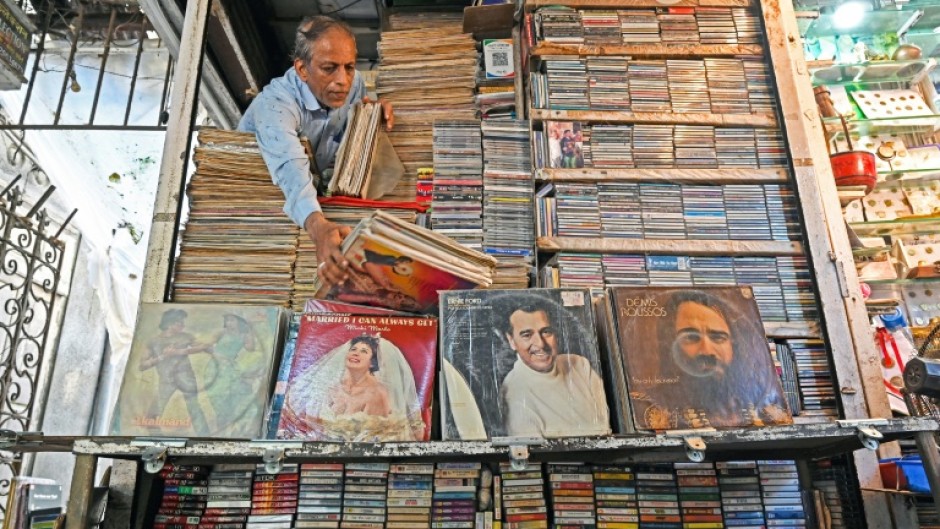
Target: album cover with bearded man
<point x="520" y="363"/>
<point x="360" y="378"/>
<point x="696" y="358"/>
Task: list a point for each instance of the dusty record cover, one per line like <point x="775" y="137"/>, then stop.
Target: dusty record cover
<point x="696" y="358"/>
<point x="199" y="371"/>
<point x="521" y="364"/>
<point x="363" y="378"/>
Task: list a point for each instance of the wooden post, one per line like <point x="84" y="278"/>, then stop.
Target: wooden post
<point x="83" y="484"/>
<point x="848" y="329"/>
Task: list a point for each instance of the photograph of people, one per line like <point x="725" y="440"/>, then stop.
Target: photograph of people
<point x="234" y="389"/>
<point x="720" y="361"/>
<point x="363" y="390"/>
<point x="548" y="392"/>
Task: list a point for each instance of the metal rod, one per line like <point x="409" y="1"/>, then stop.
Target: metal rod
<point x="42" y="200"/>
<point x="40" y="49"/>
<point x="70" y="65"/>
<point x="134" y="128"/>
<point x="104" y="64"/>
<point x="64" y="224"/>
<point x="140" y="53"/>
<point x="10" y="185"/>
<point x="166" y="88"/>
<point x="927" y="446"/>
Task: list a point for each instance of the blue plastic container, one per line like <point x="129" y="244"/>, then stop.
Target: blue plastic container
<point x="913" y="470"/>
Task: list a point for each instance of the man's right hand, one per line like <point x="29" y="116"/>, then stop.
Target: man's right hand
<point x="328" y="236"/>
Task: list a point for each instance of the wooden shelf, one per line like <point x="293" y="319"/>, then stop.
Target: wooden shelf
<point x="543" y="49"/>
<point x="728" y="175"/>
<point x="612" y="4"/>
<point x="798" y="441"/>
<point x="669" y="246"/>
<point x="665" y="118"/>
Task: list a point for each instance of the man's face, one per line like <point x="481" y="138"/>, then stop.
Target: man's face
<point x="329" y="73"/>
<point x="533" y="339"/>
<point x="703" y="341"/>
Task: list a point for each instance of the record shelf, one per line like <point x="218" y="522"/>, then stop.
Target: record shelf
<point x="681" y="176"/>
<point x="800" y="442"/>
<point x="603" y="116"/>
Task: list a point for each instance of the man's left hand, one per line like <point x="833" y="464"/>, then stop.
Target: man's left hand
<point x="387" y="112"/>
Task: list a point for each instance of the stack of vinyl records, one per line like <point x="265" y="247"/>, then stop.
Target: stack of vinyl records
<point x="405" y="20"/>
<point x="229" y="494"/>
<point x="457" y="207"/>
<point x="740" y="493"/>
<point x="609" y="88"/>
<point x="523" y="485"/>
<point x="305" y="271"/>
<point x="364" y="498"/>
<point x="615" y="496"/>
<point x="428" y="74"/>
<point x="699" y="496"/>
<point x="353" y="169"/>
<point x="184" y="494"/>
<point x="274" y="497"/>
<point x="658" y="496"/>
<point x="507" y="201"/>
<point x="454" y="500"/>
<point x="238" y="246"/>
<point x="780" y="488"/>
<point x="572" y="495"/>
<point x="320" y="501"/>
<point x="410" y="486"/>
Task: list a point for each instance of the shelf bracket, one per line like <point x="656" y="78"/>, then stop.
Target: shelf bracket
<point x="869" y="436"/>
<point x="694" y="443"/>
<point x="12" y="438"/>
<point x="274" y="453"/>
<point x="518" y="449"/>
<point x="155" y="451"/>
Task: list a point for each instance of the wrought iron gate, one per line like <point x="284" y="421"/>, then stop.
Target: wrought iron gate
<point x="30" y="268"/>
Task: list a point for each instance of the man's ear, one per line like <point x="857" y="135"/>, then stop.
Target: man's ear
<point x="300" y="66"/>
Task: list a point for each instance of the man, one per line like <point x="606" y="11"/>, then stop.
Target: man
<point x="548" y="393"/>
<point x="312" y="101"/>
<point x="721" y="364"/>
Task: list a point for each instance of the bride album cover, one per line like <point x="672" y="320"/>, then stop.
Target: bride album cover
<point x="696" y="358"/>
<point x="199" y="370"/>
<point x="360" y="378"/>
<point x="520" y="363"/>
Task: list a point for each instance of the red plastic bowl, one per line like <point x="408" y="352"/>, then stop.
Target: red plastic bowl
<point x="854" y="168"/>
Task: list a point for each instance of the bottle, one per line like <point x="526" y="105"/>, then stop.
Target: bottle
<point x="896" y="345"/>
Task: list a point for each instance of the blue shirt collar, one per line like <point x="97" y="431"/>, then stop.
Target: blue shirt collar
<point x="306" y="96"/>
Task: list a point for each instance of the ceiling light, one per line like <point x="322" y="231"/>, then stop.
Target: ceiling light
<point x="850" y="14"/>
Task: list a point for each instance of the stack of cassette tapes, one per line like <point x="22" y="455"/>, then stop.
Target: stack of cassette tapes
<point x="740" y="494"/>
<point x="320" y="500"/>
<point x="365" y="486"/>
<point x="454" y="501"/>
<point x="657" y="496"/>
<point x="699" y="496"/>
<point x="230" y="493"/>
<point x="780" y="487"/>
<point x="615" y="497"/>
<point x="572" y="496"/>
<point x="523" y="485"/>
<point x="410" y="486"/>
<point x="274" y="497"/>
<point x="184" y="495"/>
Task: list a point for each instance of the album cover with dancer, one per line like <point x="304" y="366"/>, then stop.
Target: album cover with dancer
<point x="361" y="378"/>
<point x="520" y="363"/>
<point x="696" y="358"/>
<point x="198" y="370"/>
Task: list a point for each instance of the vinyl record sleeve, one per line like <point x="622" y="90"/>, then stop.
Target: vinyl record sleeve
<point x="340" y="390"/>
<point x="696" y="358"/>
<point x="199" y="371"/>
<point x="552" y="387"/>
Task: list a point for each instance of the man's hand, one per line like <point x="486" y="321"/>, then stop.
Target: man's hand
<point x="328" y="236"/>
<point x="387" y="112"/>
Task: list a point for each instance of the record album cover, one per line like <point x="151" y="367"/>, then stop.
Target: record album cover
<point x="199" y="370"/>
<point x="362" y="378"/>
<point x="565" y="144"/>
<point x="696" y="358"/>
<point x="520" y="364"/>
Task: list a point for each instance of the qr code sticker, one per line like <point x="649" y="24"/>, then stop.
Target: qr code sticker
<point x="500" y="58"/>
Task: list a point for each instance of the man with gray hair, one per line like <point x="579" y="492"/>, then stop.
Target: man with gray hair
<point x="311" y="101"/>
